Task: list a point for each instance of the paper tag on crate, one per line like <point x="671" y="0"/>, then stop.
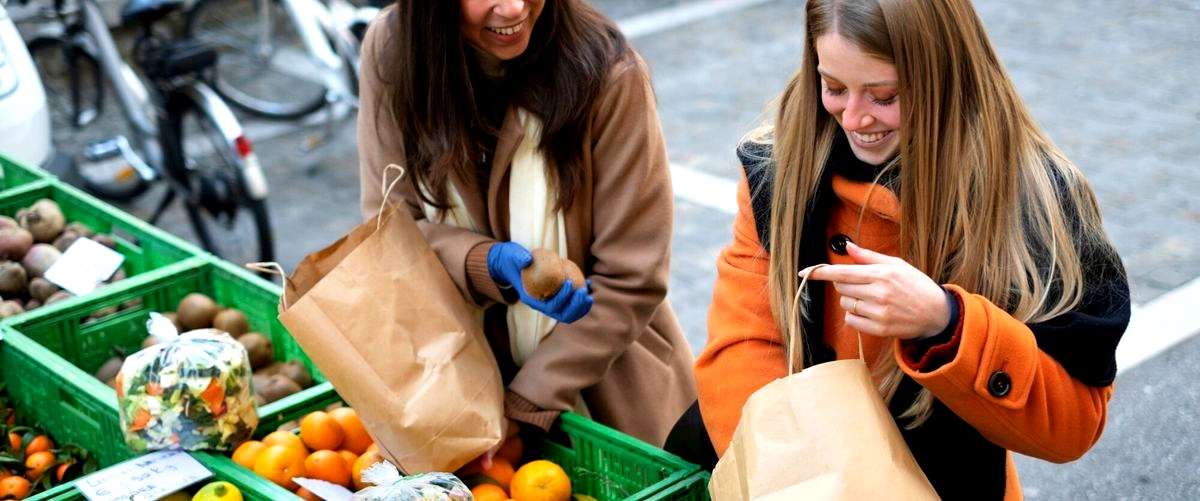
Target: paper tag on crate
<point x="85" y="265"/>
<point x="147" y="477"/>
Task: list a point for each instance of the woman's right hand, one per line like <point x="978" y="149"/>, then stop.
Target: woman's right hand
<point x="506" y="260"/>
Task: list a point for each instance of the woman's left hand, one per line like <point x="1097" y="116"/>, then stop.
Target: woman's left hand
<point x="885" y="296"/>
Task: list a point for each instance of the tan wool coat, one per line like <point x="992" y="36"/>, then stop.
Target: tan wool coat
<point x="627" y="357"/>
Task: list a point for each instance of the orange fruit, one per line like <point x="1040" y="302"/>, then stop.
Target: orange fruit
<point x="373" y="447"/>
<point x="61" y="471"/>
<point x="348" y="457"/>
<point x="14" y="441"/>
<point x="248" y="452"/>
<point x="501" y="471"/>
<point x="356" y="437"/>
<point x="37" y="464"/>
<point x="286" y="439"/>
<point x="541" y="480"/>
<point x="364" y="461"/>
<point x="38" y="444"/>
<point x="15" y="487"/>
<point x="320" y="432"/>
<point x="512" y="450"/>
<point x="489" y="492"/>
<point x="279" y="463"/>
<point x="306" y="495"/>
<point x="328" y="466"/>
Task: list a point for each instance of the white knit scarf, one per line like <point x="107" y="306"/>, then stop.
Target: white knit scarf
<point x="532" y="222"/>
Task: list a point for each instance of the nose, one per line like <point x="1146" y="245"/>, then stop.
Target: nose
<point x="857" y="115"/>
<point x="511" y="9"/>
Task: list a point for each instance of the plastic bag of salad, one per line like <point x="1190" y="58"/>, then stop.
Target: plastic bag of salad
<point x="190" y="391"/>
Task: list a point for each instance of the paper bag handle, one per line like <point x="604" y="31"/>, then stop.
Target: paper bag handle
<point x="386" y="189"/>
<point x="794" y="318"/>
<point x="274" y="269"/>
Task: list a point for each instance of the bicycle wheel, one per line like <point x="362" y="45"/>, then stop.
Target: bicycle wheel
<point x="263" y="67"/>
<point x="83" y="110"/>
<point x="226" y="220"/>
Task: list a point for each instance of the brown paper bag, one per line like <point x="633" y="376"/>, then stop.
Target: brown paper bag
<point x="381" y="318"/>
<point x="822" y="433"/>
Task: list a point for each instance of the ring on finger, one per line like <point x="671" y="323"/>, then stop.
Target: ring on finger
<point x="854" y="308"/>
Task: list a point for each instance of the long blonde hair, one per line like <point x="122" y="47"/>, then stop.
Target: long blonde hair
<point x="979" y="203"/>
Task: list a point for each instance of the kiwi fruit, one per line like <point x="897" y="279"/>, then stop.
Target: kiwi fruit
<point x="545" y="276"/>
<point x="275" y="387"/>
<point x="260" y="349"/>
<point x="109" y="369"/>
<point x="196" y="311"/>
<point x="231" y="320"/>
<point x="297" y="372"/>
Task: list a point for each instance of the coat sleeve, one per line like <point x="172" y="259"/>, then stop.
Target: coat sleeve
<point x="1022" y="393"/>
<point x="380" y="143"/>
<point x="630" y="245"/>
<point x="745" y="350"/>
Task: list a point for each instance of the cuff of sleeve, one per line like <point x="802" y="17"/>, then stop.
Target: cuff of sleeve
<point x="996" y="358"/>
<point x="482" y="284"/>
<point x="518" y="408"/>
<point x="924" y="355"/>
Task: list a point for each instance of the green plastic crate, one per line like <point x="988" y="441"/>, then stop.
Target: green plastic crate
<point x="14" y="174"/>
<point x="603" y="463"/>
<point x="692" y="488"/>
<point x="223" y="468"/>
<point x="145" y="247"/>
<point x="609" y="465"/>
<point x="61" y="349"/>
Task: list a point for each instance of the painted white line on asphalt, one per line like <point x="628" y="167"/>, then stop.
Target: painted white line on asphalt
<point x="704" y="189"/>
<point x="1160" y="324"/>
<point x="672" y="17"/>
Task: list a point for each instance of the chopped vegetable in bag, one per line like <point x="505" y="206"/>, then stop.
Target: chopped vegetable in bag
<point x="191" y="392"/>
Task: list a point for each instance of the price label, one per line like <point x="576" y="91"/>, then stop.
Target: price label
<point x="144" y="478"/>
<point x="83" y="266"/>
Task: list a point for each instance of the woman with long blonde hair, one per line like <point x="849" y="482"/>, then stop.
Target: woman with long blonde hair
<point x="959" y="241"/>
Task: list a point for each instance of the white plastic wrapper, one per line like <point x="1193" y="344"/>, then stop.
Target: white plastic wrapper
<point x="191" y="391"/>
<point x="391" y="486"/>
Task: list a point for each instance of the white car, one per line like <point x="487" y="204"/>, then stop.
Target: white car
<point x="24" y="116"/>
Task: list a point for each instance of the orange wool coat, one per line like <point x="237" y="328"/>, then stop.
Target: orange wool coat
<point x="1044" y="412"/>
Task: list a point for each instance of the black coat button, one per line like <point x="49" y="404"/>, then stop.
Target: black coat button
<point x="999" y="384"/>
<point x="838" y="244"/>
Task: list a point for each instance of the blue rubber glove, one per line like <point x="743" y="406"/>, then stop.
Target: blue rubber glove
<point x="505" y="261"/>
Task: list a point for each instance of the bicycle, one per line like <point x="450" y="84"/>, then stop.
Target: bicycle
<point x="309" y="47"/>
<point x="176" y="130"/>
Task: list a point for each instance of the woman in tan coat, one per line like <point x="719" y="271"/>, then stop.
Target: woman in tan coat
<point x="533" y="125"/>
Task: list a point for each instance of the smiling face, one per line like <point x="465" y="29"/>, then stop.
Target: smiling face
<point x="500" y="28"/>
<point x="862" y="92"/>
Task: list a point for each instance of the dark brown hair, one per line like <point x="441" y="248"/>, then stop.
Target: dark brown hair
<point x="432" y="95"/>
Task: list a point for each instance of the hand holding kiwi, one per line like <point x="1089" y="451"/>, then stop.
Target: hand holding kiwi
<point x="546" y="274"/>
<point x="538" y="278"/>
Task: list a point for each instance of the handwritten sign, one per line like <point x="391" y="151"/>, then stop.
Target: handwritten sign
<point x="83" y="266"/>
<point x="145" y="478"/>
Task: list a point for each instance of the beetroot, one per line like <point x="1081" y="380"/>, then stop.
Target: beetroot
<point x="12" y="279"/>
<point x="43" y="219"/>
<point x="39" y="259"/>
<point x="14" y="242"/>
